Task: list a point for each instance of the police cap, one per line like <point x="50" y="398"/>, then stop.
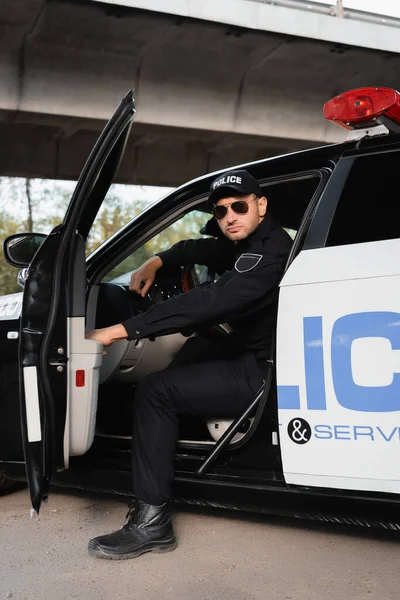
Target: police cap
<point x="233" y="183"/>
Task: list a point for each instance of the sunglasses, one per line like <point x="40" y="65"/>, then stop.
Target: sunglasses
<point x="240" y="207"/>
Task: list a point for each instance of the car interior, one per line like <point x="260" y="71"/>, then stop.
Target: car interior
<point x="110" y="302"/>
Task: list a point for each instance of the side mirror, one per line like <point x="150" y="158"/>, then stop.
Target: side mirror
<point x="20" y="248"/>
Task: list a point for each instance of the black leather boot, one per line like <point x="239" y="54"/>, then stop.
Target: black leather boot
<point x="147" y="529"/>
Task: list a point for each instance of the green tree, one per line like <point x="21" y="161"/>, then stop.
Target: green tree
<point x="113" y="214"/>
<point x="39" y="205"/>
<point x="8" y="274"/>
<point x="187" y="227"/>
<point x="27" y="205"/>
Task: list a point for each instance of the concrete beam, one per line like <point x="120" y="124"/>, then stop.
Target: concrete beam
<point x="208" y="94"/>
<point x="78" y="60"/>
<point x="254" y="14"/>
<point x="55" y="148"/>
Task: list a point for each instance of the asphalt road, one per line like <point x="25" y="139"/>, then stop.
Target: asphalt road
<point x="221" y="556"/>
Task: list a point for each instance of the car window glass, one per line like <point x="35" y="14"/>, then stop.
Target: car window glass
<point x="117" y="209"/>
<point x="368" y="208"/>
<point x="291" y="232"/>
<point x="187" y="227"/>
<point x="288" y="200"/>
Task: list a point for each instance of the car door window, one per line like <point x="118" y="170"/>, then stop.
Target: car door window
<point x="368" y="208"/>
<point x="117" y="209"/>
<point x="187" y="227"/>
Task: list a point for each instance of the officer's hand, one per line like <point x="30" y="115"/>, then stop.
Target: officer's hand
<point x="143" y="278"/>
<point x="108" y="335"/>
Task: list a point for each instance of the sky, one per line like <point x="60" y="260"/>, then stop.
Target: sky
<point x="380" y="7"/>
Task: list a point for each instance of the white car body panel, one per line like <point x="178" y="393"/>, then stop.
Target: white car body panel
<point x="83" y="355"/>
<point x="10" y="306"/>
<point x="338" y="367"/>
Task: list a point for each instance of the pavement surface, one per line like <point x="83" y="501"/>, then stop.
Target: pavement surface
<point x="221" y="556"/>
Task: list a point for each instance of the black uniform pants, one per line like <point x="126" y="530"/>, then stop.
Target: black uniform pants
<point x="207" y="379"/>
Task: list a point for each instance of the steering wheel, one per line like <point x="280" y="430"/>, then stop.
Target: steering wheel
<point x="118" y="303"/>
<point x="159" y="291"/>
<point x="121" y="299"/>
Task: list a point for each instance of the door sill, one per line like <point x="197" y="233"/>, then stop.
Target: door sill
<point x="182" y="443"/>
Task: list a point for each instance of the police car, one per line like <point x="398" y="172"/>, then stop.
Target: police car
<point x="321" y="440"/>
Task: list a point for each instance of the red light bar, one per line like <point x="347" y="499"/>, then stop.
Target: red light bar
<point x="361" y="107"/>
<point x="80" y="378"/>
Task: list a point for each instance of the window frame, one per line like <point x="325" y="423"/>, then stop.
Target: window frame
<point x="324" y="214"/>
<point x="110" y="254"/>
<point x="150" y="238"/>
<point x="322" y="218"/>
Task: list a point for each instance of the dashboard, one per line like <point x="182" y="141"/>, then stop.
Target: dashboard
<point x="130" y="361"/>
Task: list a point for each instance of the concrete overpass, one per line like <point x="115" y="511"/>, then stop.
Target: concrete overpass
<point x="218" y="82"/>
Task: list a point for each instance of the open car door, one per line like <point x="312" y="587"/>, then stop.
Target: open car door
<point x="55" y="359"/>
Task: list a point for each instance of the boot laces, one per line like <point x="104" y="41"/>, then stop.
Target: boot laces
<point x="133" y="512"/>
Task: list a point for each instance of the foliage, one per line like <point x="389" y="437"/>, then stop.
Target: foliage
<point x="39" y="205"/>
<point x="8" y="275"/>
<point x="113" y="215"/>
<point x="27" y="205"/>
<point x="186" y="227"/>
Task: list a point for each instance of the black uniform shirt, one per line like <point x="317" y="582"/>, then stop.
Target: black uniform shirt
<point x="245" y="295"/>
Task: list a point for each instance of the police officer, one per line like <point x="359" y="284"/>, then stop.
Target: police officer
<point x="208" y="378"/>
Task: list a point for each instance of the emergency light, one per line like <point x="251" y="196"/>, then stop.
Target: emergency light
<point x="365" y="107"/>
